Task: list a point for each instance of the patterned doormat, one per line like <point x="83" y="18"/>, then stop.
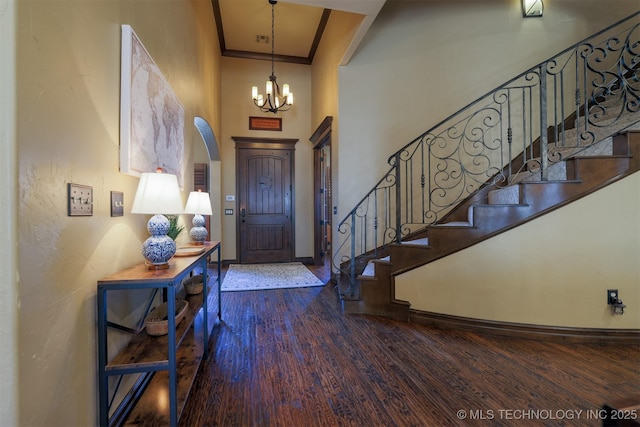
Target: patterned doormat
<point x="254" y="277"/>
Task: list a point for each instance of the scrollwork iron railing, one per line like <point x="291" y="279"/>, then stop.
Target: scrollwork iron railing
<point x="545" y="115"/>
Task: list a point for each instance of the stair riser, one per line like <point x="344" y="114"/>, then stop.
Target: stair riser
<point x="405" y="256"/>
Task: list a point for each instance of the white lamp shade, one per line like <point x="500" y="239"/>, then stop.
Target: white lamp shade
<point x="198" y="203"/>
<point x="158" y="193"/>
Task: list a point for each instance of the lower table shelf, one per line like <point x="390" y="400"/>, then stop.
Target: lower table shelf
<point x="152" y="408"/>
<point x="145" y="348"/>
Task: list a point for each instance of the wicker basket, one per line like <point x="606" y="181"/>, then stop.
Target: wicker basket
<point x="193" y="285"/>
<point x="157" y="322"/>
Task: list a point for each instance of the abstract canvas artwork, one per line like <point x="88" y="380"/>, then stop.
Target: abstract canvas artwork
<point x="151" y="115"/>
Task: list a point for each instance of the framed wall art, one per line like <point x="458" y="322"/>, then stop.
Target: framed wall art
<point x="265" y="123"/>
<point x="151" y="115"/>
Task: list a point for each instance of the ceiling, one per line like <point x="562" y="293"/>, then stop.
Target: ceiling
<point x="244" y="26"/>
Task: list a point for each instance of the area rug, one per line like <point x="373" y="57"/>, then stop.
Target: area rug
<point x="254" y="277"/>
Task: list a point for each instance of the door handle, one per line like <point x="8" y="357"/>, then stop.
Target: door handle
<point x="243" y="212"/>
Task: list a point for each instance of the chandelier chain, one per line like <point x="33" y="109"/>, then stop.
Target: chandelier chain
<point x="273" y="36"/>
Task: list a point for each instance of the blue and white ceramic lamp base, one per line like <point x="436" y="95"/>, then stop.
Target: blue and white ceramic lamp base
<point x="198" y="234"/>
<point x="159" y="248"/>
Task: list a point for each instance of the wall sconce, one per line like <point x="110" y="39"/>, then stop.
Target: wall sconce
<point x="532" y="8"/>
<point x="158" y="194"/>
<point x="198" y="204"/>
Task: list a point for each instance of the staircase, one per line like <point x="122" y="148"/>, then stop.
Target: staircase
<point x="464" y="181"/>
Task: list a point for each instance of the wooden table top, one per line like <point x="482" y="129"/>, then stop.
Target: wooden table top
<point x="141" y="272"/>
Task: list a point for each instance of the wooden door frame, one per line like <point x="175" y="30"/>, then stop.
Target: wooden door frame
<point x="245" y="142"/>
<point x="320" y="138"/>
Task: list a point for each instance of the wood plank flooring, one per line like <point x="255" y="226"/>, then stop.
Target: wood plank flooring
<point x="292" y="358"/>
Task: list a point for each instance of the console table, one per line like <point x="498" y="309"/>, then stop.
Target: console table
<point x="152" y="356"/>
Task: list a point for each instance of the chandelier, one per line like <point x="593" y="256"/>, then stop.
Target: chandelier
<point x="275" y="100"/>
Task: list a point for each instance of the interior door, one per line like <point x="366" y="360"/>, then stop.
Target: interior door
<point x="265" y="203"/>
<point x="321" y="140"/>
<point x="325" y="203"/>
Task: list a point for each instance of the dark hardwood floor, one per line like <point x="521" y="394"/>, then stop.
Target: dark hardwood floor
<point x="292" y="358"/>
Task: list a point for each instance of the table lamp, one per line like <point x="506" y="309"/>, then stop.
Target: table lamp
<point x="198" y="204"/>
<point x="158" y="193"/>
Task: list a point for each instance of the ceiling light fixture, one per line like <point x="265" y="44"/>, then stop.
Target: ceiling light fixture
<point x="275" y="99"/>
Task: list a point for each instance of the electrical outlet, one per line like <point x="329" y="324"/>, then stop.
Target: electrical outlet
<point x="612" y="296"/>
<point x="79" y="200"/>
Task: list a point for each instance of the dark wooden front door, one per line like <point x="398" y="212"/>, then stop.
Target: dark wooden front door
<point x="265" y="201"/>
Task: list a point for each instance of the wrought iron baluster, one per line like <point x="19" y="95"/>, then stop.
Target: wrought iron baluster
<point x="544" y="149"/>
<point x="398" y="199"/>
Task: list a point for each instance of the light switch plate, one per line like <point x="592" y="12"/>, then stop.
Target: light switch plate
<point x="228" y="211"/>
<point x="117" y="203"/>
<point x="79" y="200"/>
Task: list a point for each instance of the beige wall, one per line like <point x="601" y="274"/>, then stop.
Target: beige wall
<point x="337" y="37"/>
<point x="8" y="218"/>
<point x="238" y="76"/>
<point x="424" y="60"/>
<point x="553" y="271"/>
<point x="68" y="131"/>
